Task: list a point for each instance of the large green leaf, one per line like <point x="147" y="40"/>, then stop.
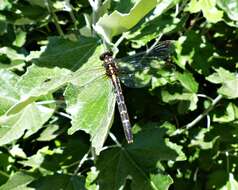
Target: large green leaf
<point x="117" y="23"/>
<point x="91" y="101"/>
<point x="92" y="109"/>
<point x="53" y="69"/>
<point x="67" y="53"/>
<point x="30" y="119"/>
<point x="18" y="181"/>
<point x="137" y="162"/>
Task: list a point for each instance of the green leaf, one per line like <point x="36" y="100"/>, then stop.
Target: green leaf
<point x="59" y="181"/>
<point x="66" y="53"/>
<point x="117" y="23"/>
<point x="155" y="25"/>
<point x="39" y="81"/>
<point x="16" y="60"/>
<point x="47" y="78"/>
<point x="187" y="101"/>
<point x="17" y="181"/>
<point x="40" y="3"/>
<point x="5" y="167"/>
<point x="30" y="119"/>
<point x="5" y="4"/>
<point x="92" y="108"/>
<point x="192" y="49"/>
<point x="208" y="8"/>
<point x="187" y="80"/>
<point x="49" y="133"/>
<point x="20" y="39"/>
<point x="228" y="113"/>
<point x="200" y="140"/>
<point x="228" y="80"/>
<point x="64" y="158"/>
<point x="217" y="179"/>
<point x="90" y="180"/>
<point x="8" y="94"/>
<point x="230" y="7"/>
<point x="137" y="161"/>
<point x="91" y="100"/>
<point x="16" y="151"/>
<point x="231" y="184"/>
<point x="3" y="25"/>
<point x="161" y="181"/>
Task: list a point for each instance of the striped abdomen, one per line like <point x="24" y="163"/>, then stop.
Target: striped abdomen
<point x="122" y="109"/>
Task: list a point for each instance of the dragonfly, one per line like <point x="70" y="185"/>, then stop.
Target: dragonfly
<point x="133" y="71"/>
<point x="139" y="61"/>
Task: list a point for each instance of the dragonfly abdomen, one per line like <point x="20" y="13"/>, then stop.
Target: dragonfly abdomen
<point x="111" y="71"/>
<point x="122" y="109"/>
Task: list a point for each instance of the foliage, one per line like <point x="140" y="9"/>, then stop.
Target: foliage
<point x="59" y="125"/>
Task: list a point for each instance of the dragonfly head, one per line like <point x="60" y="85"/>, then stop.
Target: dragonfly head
<point x="106" y="55"/>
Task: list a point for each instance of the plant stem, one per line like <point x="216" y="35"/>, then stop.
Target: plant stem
<point x="201" y="116"/>
<point x="95" y="7"/>
<point x="71" y="13"/>
<point x="85" y="157"/>
<point x="55" y="18"/>
<point x="227" y="162"/>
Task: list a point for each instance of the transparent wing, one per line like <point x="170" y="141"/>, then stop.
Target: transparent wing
<point x="142" y="60"/>
<point x="137" y="70"/>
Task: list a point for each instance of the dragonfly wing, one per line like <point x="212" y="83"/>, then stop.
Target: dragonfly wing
<point x="142" y="60"/>
<point x="92" y="108"/>
<point x="137" y="70"/>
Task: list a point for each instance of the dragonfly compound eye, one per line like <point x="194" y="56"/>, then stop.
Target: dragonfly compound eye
<point x="105" y="54"/>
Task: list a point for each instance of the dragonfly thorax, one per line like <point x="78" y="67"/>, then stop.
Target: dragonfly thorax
<point x="106" y="55"/>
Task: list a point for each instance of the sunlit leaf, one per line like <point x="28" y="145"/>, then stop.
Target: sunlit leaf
<point x="92" y="109"/>
<point x="230" y="7"/>
<point x="116" y="23"/>
<point x="232" y="183"/>
<point x="187" y="80"/>
<point x="208" y="8"/>
<point x="8" y="94"/>
<point x="228" y="80"/>
<point x="30" y="119"/>
<point x="49" y="133"/>
<point x="19" y="180"/>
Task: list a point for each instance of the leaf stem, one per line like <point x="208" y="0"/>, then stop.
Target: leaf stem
<point x="55" y="18"/>
<point x="4" y="174"/>
<point x="115" y="139"/>
<point x="95" y="7"/>
<point x="71" y="14"/>
<point x="201" y="116"/>
<point x="85" y="157"/>
<point x="154" y="44"/>
<point x="227" y="162"/>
